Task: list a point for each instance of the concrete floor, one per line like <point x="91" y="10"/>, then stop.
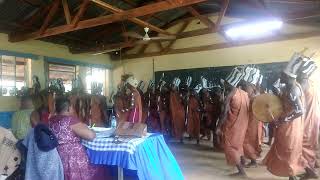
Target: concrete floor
<point x="202" y="163"/>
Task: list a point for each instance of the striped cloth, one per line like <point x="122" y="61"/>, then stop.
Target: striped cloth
<point x="111" y="144"/>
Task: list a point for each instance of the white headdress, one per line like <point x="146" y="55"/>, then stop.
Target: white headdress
<point x="307" y="67"/>
<point x="151" y="84"/>
<point x="204" y="82"/>
<point x="251" y="75"/>
<point x="293" y="65"/>
<point x="176" y="81"/>
<point x="141" y="85"/>
<point x="260" y="79"/>
<point x="133" y="81"/>
<point x="189" y="81"/>
<point x="198" y="88"/>
<point x="235" y="76"/>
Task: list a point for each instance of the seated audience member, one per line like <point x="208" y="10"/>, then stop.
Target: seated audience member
<point x="21" y="119"/>
<point x="42" y="158"/>
<point x="40" y="115"/>
<point x="69" y="131"/>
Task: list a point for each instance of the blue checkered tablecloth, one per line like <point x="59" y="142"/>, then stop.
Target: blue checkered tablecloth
<point x="108" y="144"/>
<point x="149" y="157"/>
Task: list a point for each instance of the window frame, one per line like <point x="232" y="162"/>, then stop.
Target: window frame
<point x="61" y="64"/>
<point x="25" y="80"/>
<point x="89" y="90"/>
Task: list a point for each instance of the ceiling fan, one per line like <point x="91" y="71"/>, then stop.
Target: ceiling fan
<point x="146" y="38"/>
<point x="141" y="40"/>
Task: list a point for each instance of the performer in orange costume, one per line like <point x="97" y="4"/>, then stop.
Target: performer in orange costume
<point x="285" y="156"/>
<point x="177" y="111"/>
<point x="234" y="121"/>
<point x="252" y="142"/>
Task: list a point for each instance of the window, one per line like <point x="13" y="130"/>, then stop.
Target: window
<point x="66" y="72"/>
<point x="12" y="74"/>
<point x="95" y="75"/>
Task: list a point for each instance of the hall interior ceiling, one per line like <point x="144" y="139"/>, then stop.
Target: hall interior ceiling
<point x="102" y="26"/>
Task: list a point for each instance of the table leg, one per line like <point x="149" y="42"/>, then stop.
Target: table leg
<point x="120" y="173"/>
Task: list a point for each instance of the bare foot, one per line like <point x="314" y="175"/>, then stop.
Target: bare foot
<point x="251" y="165"/>
<point x="239" y="174"/>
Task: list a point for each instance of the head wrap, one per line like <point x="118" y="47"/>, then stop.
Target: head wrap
<point x="133" y="81"/>
<point x="235" y="76"/>
<point x="307" y="67"/>
<point x="176" y="82"/>
<point x="293" y="65"/>
<point x="198" y="88"/>
<point x="141" y="85"/>
<point x="260" y="79"/>
<point x="188" y="81"/>
<point x="204" y="82"/>
<point x="251" y="75"/>
<point x="151" y="84"/>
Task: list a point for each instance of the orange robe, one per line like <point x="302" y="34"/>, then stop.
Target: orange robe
<point x="285" y="156"/>
<point x="177" y="113"/>
<point x="135" y="113"/>
<point x="235" y="127"/>
<point x="252" y="141"/>
<point x="193" y="123"/>
<point x="311" y="125"/>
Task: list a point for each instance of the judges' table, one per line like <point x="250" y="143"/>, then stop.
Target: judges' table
<point x="149" y="156"/>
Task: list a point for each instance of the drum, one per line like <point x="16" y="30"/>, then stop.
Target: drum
<point x="267" y="107"/>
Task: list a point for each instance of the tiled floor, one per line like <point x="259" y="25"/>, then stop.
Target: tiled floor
<point x="202" y="163"/>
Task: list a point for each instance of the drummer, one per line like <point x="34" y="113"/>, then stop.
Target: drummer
<point x="285" y="156"/>
<point x="252" y="147"/>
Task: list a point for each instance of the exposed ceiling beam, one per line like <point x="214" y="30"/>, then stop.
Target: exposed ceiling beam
<point x="132" y="13"/>
<point x="64" y="36"/>
<point x="66" y="10"/>
<point x="112" y="29"/>
<point x="143" y="48"/>
<point x="103" y="48"/>
<point x="159" y="46"/>
<point x="134" y="20"/>
<point x="187" y="34"/>
<point x="223" y="11"/>
<point x="180" y="30"/>
<point x="53" y="10"/>
<point x="41" y="12"/>
<point x="131" y="3"/>
<point x="227" y="45"/>
<point x="83" y="7"/>
<point x="108" y="47"/>
<point x="204" y="19"/>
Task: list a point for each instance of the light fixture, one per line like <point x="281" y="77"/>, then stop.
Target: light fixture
<point x="254" y="30"/>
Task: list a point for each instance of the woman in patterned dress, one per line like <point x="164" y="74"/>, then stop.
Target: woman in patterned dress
<point x="69" y="131"/>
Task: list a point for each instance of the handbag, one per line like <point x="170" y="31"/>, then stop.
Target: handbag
<point x="44" y="138"/>
<point x="125" y="128"/>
